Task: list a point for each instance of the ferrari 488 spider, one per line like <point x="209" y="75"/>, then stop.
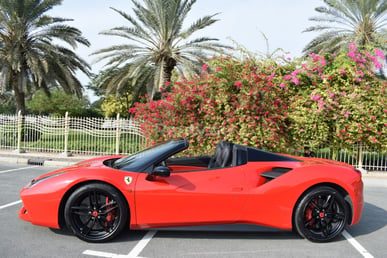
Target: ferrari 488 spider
<point x="98" y="198"/>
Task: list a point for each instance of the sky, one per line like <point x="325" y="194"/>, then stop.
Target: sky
<point x="244" y="21"/>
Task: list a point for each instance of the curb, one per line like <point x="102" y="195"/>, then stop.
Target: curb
<point x="47" y="162"/>
<point x="56" y="163"/>
<point x="374" y="174"/>
<point x="14" y="160"/>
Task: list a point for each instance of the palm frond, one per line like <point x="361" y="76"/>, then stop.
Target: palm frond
<point x="156" y="39"/>
<point x="343" y="21"/>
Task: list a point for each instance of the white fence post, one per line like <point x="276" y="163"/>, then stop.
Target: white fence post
<point x="360" y="156"/>
<point x="19" y="132"/>
<point x="66" y="153"/>
<point x="118" y="128"/>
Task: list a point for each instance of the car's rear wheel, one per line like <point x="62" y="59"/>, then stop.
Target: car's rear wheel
<point x="96" y="212"/>
<point x="321" y="214"/>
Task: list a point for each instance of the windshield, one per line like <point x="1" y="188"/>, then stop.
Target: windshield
<point x="146" y="159"/>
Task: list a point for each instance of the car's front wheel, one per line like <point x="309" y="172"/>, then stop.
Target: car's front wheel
<point x="96" y="212"/>
<point x="321" y="214"/>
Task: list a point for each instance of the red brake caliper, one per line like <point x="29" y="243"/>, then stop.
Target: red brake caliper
<point x="110" y="216"/>
<point x="308" y="214"/>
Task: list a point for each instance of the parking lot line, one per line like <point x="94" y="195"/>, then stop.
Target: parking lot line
<point x="141" y="245"/>
<point x="9" y="204"/>
<point x="133" y="254"/>
<point x="357" y="245"/>
<point x="16" y="169"/>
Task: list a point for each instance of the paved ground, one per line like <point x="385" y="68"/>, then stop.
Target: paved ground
<point x="21" y="239"/>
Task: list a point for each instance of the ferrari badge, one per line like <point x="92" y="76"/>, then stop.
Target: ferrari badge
<point x="128" y="180"/>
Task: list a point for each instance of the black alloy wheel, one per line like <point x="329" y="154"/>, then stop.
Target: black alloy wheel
<point x="321" y="214"/>
<point x="96" y="212"/>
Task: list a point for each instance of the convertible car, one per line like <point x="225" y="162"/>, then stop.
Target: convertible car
<point x="99" y="198"/>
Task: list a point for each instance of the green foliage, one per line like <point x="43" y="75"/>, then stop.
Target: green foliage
<point x="76" y="142"/>
<point x="58" y="103"/>
<point x="7" y="109"/>
<point x="7" y="103"/>
<point x="112" y="106"/>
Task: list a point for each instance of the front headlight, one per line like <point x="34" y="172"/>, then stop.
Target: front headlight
<point x="35" y="182"/>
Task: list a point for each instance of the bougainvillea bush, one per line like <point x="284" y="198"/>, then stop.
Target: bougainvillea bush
<point x="232" y="100"/>
<point x="326" y="100"/>
<point x="338" y="101"/>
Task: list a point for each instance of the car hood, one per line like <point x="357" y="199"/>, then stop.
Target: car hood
<point x="96" y="162"/>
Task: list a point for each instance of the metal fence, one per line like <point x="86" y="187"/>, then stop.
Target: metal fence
<point x="70" y="135"/>
<point x="359" y="156"/>
<point x="101" y="136"/>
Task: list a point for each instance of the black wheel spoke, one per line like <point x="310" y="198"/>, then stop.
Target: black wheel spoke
<point x="310" y="222"/>
<point x="82" y="211"/>
<point x="329" y="202"/>
<point x="315" y="205"/>
<point x="91" y="200"/>
<point x="106" y="224"/>
<point x="325" y="232"/>
<point x="88" y="228"/>
<point x="339" y="216"/>
<point x="110" y="209"/>
<point x="108" y="204"/>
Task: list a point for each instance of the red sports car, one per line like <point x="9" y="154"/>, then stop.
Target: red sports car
<point x="99" y="198"/>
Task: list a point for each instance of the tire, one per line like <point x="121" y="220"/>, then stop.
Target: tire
<point x="96" y="212"/>
<point x="321" y="214"/>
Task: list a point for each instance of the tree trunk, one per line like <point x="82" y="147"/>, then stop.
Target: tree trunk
<point x="169" y="65"/>
<point x="19" y="94"/>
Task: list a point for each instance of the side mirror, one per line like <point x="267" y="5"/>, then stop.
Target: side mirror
<point x="159" y="171"/>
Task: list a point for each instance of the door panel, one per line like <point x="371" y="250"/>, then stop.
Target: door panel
<point x="189" y="198"/>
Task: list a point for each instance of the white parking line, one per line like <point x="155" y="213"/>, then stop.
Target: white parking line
<point x="133" y="254"/>
<point x="357" y="245"/>
<point x="16" y="169"/>
<point x="9" y="204"/>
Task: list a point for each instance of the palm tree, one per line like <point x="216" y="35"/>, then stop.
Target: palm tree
<point x="30" y="57"/>
<point x="157" y="41"/>
<point x="343" y="21"/>
<point x="118" y="81"/>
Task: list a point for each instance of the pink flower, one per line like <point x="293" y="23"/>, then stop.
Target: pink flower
<point x="332" y="95"/>
<point x="316" y="97"/>
<point x="296" y="81"/>
<point x="238" y="84"/>
<point x="282" y="85"/>
<point x="379" y="53"/>
<point x="204" y="67"/>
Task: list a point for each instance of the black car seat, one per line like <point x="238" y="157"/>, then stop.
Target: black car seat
<point x="223" y="155"/>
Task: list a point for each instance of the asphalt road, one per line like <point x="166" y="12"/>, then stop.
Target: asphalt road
<point x="22" y="239"/>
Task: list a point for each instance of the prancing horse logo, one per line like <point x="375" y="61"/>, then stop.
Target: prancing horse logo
<point x="128" y="180"/>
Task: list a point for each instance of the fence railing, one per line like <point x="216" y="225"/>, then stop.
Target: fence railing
<point x="70" y="135"/>
<point x="359" y="156"/>
<point x="101" y="136"/>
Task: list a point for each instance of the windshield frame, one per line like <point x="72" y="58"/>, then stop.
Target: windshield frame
<point x="146" y="160"/>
